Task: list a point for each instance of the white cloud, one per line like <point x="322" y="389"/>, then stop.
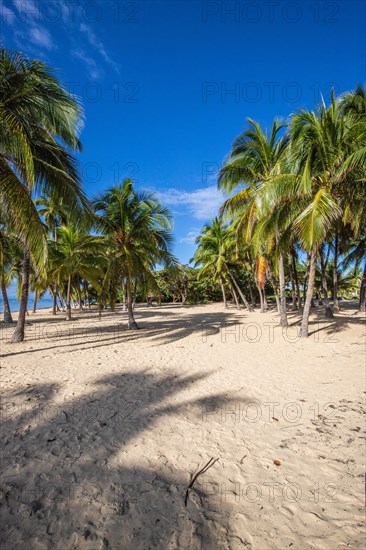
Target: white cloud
<point x="96" y="43"/>
<point x="94" y="71"/>
<point x="41" y="37"/>
<point x="190" y="238"/>
<point x="202" y="204"/>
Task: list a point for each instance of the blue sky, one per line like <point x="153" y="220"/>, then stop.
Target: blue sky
<point x="167" y="85"/>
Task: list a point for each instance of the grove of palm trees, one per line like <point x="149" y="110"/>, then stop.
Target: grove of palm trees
<point x="297" y="194"/>
<point x="95" y="410"/>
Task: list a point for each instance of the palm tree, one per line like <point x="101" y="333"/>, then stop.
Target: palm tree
<point x="138" y="232"/>
<point x="5" y="262"/>
<point x="52" y="210"/>
<point x="73" y="255"/>
<point x="215" y="252"/>
<point x="11" y="259"/>
<point x="355" y="256"/>
<point x="353" y="105"/>
<point x="255" y="157"/>
<point x="323" y="154"/>
<point x="40" y="118"/>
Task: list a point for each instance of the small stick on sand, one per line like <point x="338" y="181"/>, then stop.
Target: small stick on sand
<point x="210" y="463"/>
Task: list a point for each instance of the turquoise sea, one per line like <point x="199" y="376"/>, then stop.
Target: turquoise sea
<point x="46" y="301"/>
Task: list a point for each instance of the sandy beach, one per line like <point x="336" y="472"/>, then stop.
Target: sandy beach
<point x="104" y="428"/>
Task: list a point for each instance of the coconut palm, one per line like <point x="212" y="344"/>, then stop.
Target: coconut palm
<point x="255" y="157"/>
<point x="73" y="255"/>
<point x="51" y="209"/>
<point x="322" y="157"/>
<point x="356" y="254"/>
<point x="215" y="252"/>
<point x="39" y="119"/>
<point x="6" y="254"/>
<point x="138" y="231"/>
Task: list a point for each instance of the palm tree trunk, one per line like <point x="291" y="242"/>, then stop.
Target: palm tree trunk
<point x="7" y="311"/>
<point x="61" y="301"/>
<point x="252" y="297"/>
<point x="241" y="293"/>
<point x="68" y="300"/>
<point x="306" y="278"/>
<point x="131" y="320"/>
<point x="335" y="276"/>
<point x="277" y="298"/>
<point x="362" y="301"/>
<point x="80" y="298"/>
<point x="324" y="285"/>
<point x="281" y="272"/>
<point x="235" y="296"/>
<point x="54" y="296"/>
<point x="86" y="293"/>
<point x="309" y="294"/>
<point x="35" y="301"/>
<point x="18" y="334"/>
<point x="293" y="287"/>
<point x="223" y="292"/>
<point x="296" y="277"/>
<point x="275" y="290"/>
<point x="261" y="299"/>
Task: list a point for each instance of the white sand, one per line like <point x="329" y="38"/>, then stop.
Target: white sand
<point x="102" y="429"/>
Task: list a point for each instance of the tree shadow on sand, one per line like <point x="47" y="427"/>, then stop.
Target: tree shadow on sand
<point x="159" y="326"/>
<point x="72" y="477"/>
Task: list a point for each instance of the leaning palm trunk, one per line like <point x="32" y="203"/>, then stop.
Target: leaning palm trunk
<point x="335" y="276"/>
<point x="283" y="313"/>
<point x="309" y="295"/>
<point x="252" y="297"/>
<point x="263" y="299"/>
<point x="241" y="293"/>
<point x="362" y="301"/>
<point x="55" y="306"/>
<point x="61" y="300"/>
<point x="223" y="292"/>
<point x="35" y="301"/>
<point x="235" y="296"/>
<point x="7" y="311"/>
<point x="18" y="335"/>
<point x="68" y="300"/>
<point x="131" y="319"/>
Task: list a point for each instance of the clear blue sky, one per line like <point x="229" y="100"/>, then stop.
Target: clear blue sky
<point x="167" y="85"/>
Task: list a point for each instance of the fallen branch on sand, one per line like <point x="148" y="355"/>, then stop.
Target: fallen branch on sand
<point x="210" y="463"/>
